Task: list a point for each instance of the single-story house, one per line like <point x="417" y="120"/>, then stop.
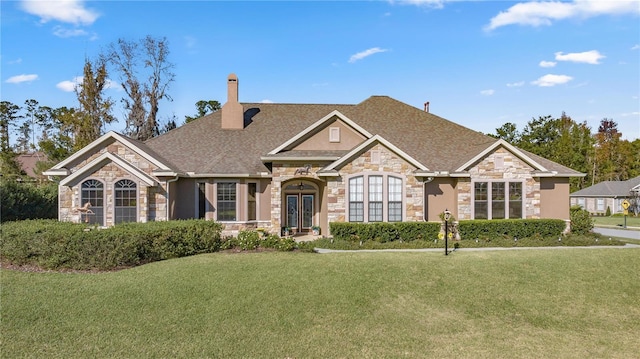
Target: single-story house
<point x="270" y="165"/>
<point x="611" y="194"/>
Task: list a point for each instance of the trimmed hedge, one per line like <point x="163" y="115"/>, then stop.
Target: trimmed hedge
<point x="518" y="228"/>
<point x="56" y="245"/>
<point x="385" y="231"/>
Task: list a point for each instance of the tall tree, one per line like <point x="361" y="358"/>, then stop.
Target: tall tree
<point x="508" y="132"/>
<point x="608" y="161"/>
<point x="204" y="108"/>
<point x="9" y="115"/>
<point x="135" y="60"/>
<point x="94" y="110"/>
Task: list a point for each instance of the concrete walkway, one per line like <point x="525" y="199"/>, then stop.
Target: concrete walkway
<point x="325" y="251"/>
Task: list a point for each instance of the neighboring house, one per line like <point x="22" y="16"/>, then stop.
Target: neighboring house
<point x="611" y="194"/>
<point x="266" y="165"/>
<point x="28" y="162"/>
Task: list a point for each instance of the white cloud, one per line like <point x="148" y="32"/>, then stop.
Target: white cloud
<point x="516" y="84"/>
<point x="588" y="57"/>
<point x="69" y="86"/>
<point x="22" y="78"/>
<point x="487" y="92"/>
<point x="437" y="4"/>
<point x="544" y="13"/>
<point x="69" y="11"/>
<point x="60" y="31"/>
<point x="551" y="80"/>
<point x="635" y="47"/>
<point x="365" y="53"/>
<point x="547" y="64"/>
<point x="16" y="61"/>
<point x="266" y="101"/>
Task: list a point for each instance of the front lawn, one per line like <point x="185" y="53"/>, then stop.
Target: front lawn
<point x="617" y="221"/>
<point x="575" y="303"/>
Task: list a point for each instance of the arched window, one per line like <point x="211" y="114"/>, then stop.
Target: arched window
<point x="126" y="199"/>
<point x="93" y="192"/>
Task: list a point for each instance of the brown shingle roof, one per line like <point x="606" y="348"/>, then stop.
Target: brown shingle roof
<point x="202" y="147"/>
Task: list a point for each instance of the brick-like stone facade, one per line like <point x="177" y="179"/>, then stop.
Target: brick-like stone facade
<point x="151" y="201"/>
<point x="377" y="160"/>
<point x="512" y="168"/>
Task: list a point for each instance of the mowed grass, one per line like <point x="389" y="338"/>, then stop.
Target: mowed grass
<point x="632" y="221"/>
<point x="565" y="303"/>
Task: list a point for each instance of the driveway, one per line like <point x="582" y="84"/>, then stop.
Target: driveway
<point x="613" y="232"/>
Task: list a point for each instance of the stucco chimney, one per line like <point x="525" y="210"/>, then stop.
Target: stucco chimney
<point x="232" y="111"/>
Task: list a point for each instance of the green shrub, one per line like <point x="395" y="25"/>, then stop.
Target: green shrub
<point x="581" y="221"/>
<point x="608" y="212"/>
<point x="21" y="201"/>
<point x="55" y="245"/>
<point x="518" y="228"/>
<point x="383" y="232"/>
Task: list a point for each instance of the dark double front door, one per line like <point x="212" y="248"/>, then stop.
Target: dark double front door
<point x="300" y="210"/>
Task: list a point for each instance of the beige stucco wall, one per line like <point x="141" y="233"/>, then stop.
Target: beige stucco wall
<point x="513" y="168"/>
<point x="440" y="194"/>
<point x="554" y="195"/>
<point x="151" y="200"/>
<point x="349" y="138"/>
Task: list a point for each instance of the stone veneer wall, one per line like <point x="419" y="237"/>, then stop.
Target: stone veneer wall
<point x="513" y="168"/>
<point x="152" y="201"/>
<point x="280" y="173"/>
<point x="389" y="163"/>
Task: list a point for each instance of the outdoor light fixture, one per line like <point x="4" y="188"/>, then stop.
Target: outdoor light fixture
<point x="447" y="217"/>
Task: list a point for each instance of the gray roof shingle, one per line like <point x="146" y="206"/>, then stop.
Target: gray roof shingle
<point x="608" y="189"/>
<point x="202" y="147"/>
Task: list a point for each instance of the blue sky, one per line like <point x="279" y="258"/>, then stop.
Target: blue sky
<point x="479" y="63"/>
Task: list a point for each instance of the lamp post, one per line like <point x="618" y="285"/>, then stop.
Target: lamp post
<point x="447" y="216"/>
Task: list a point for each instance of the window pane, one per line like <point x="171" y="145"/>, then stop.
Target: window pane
<point x="375" y="211"/>
<point x="375" y="188"/>
<point x="93" y="194"/>
<point x="356" y="189"/>
<point x="395" y="211"/>
<point x="395" y="189"/>
<point x="480" y="201"/>
<point x="395" y="199"/>
<point x="497" y="200"/>
<point x="356" y="199"/>
<point x="515" y="200"/>
<point x="125" y="201"/>
<point x="356" y="212"/>
<point x="226" y="201"/>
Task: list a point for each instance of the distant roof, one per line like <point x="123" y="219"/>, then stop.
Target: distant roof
<point x="608" y="189"/>
<point x="28" y="162"/>
<point x="202" y="146"/>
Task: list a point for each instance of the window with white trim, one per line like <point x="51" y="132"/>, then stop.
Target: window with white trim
<point x="395" y="199"/>
<point x="126" y="200"/>
<point x="600" y="204"/>
<point x="226" y="201"/>
<point x="356" y="199"/>
<point x="498" y="199"/>
<point x="92" y="192"/>
<point x="375" y="198"/>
